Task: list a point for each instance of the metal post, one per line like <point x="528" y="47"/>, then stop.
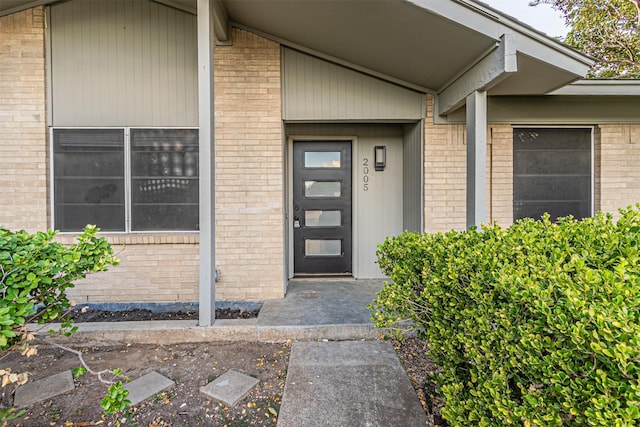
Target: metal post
<point x="206" y="44"/>
<point x="476" y="158"/>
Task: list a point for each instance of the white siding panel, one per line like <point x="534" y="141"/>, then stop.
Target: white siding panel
<point x="315" y="89"/>
<point x="123" y="63"/>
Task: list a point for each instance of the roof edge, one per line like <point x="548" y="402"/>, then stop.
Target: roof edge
<point x="527" y="30"/>
<point x="601" y="87"/>
<point x="25" y="6"/>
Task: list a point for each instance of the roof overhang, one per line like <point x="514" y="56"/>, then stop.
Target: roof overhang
<point x="445" y="47"/>
<point x="600" y="88"/>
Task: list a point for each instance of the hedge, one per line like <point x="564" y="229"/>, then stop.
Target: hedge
<point x="537" y="324"/>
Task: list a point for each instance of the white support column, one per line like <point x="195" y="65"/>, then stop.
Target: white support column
<point x="207" y="300"/>
<point x="476" y="158"/>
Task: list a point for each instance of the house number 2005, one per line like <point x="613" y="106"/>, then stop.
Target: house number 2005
<point x="365" y="174"/>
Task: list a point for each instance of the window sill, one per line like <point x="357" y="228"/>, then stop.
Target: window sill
<point x="167" y="238"/>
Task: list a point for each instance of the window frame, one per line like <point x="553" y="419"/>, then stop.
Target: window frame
<point x="592" y="181"/>
<point x="127" y="177"/>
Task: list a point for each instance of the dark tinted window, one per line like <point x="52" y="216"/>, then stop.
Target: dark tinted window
<point x="89" y="185"/>
<point x="551" y="172"/>
<point x="164" y="179"/>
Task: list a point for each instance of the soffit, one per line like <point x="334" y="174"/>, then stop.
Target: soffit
<point x="396" y="38"/>
<point x="425" y="43"/>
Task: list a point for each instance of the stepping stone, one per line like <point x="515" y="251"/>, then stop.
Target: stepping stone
<point x="146" y="386"/>
<point x="36" y="391"/>
<point x="230" y="388"/>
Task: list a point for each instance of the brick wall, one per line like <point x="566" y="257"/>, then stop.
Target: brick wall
<point x="164" y="271"/>
<point x="249" y="169"/>
<point x="500" y="170"/>
<point x="445" y="165"/>
<point x="23" y="134"/>
<point x="445" y="175"/>
<point x="619" y="165"/>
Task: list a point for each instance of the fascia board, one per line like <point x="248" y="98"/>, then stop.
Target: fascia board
<point x="601" y="88"/>
<point x="26" y="5"/>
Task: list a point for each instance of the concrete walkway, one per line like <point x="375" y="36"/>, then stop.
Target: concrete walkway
<point x="348" y="383"/>
<point x="334" y="378"/>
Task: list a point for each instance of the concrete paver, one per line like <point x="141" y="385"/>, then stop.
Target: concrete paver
<point x="230" y="388"/>
<point x="46" y="388"/>
<point x="348" y="383"/>
<point x="146" y="386"/>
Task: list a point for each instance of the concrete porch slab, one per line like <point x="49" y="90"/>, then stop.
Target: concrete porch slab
<point x="322" y="302"/>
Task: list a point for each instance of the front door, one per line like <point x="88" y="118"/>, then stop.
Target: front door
<point x="322" y="207"/>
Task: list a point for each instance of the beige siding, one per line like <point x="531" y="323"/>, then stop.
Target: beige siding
<point x="558" y="110"/>
<point x="249" y="169"/>
<point x="23" y="136"/>
<point x="378" y="211"/>
<point x="123" y="63"/>
<point x="619" y="167"/>
<point x="412" y="179"/>
<point x="315" y="89"/>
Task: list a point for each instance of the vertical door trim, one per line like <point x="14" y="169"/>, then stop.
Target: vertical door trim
<point x="289" y="241"/>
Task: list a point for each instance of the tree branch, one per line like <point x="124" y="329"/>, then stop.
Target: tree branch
<point x="637" y="5"/>
<point x="98" y="374"/>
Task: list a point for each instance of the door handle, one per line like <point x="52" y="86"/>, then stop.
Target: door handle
<point x="296" y="222"/>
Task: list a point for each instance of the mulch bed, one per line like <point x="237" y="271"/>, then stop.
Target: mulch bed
<point x="139" y="314"/>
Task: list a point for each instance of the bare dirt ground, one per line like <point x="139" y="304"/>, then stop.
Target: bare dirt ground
<point x="191" y="366"/>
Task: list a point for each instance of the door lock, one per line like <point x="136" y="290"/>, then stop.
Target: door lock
<point x="296" y="222"/>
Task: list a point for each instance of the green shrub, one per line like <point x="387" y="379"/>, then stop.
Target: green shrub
<point x="536" y="325"/>
<point x="36" y="272"/>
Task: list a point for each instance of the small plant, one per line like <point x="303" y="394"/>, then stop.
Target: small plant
<point x="116" y="399"/>
<point x="54" y="414"/>
<point x="35" y="274"/>
<point x="10" y="414"/>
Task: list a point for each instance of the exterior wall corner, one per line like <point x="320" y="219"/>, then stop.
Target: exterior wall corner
<point x="23" y="132"/>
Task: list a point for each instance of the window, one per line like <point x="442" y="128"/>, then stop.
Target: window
<point x="126" y="179"/>
<point x="552" y="172"/>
